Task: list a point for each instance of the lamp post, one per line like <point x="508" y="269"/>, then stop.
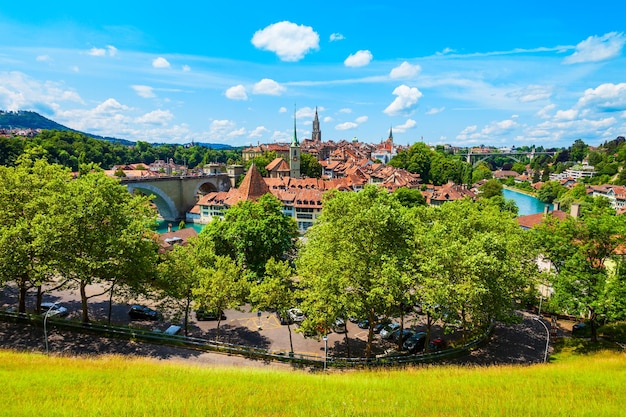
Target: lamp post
<point x="45" y="319"/>
<point x="545" y="356"/>
<point x="325" y="350"/>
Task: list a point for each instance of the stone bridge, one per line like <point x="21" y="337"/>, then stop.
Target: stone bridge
<point x="176" y="195"/>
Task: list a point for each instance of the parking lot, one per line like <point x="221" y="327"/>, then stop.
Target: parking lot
<point x="242" y="327"/>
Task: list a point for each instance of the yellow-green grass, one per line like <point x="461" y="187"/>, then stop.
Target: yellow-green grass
<point x="574" y="385"/>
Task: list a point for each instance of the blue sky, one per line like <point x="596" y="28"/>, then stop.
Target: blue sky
<point x="462" y="73"/>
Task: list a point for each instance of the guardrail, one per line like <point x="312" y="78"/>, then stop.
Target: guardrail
<point x="124" y="332"/>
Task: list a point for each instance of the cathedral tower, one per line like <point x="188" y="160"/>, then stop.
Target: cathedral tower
<point x="316" y="136"/>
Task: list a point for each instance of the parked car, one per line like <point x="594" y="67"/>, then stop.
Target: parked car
<point x="436" y="345"/>
<point x="415" y="343"/>
<point x="399" y="336"/>
<point x="388" y="329"/>
<point x="295" y="315"/>
<point x="53" y="309"/>
<point x="379" y="326"/>
<point x="340" y="326"/>
<point x="139" y="312"/>
<point x="202" y="314"/>
<point x="283" y="318"/>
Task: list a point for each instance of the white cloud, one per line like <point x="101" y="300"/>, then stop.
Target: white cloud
<point x="237" y="92"/>
<point x="532" y="93"/>
<point x="405" y="70"/>
<point x="18" y="92"/>
<point x="566" y="114"/>
<point x="328" y="119"/>
<point x="361" y="119"/>
<point x="282" y="110"/>
<point x="409" y="124"/>
<point x="345" y="110"/>
<point x="336" y="37"/>
<point x="446" y="51"/>
<point x="160" y="62"/>
<point x="268" y="87"/>
<point x="144" y="91"/>
<point x="186" y="68"/>
<point x="358" y="59"/>
<point x="498" y="128"/>
<point x="109" y="50"/>
<point x="406" y="98"/>
<point x="43" y="58"/>
<point x="156" y="117"/>
<point x="97" y="51"/>
<point x="346" y="126"/>
<point x="596" y="48"/>
<point x="305" y="112"/>
<point x="605" y="97"/>
<point x="221" y="128"/>
<point x="288" y="40"/>
<point x="258" y="132"/>
<point x="237" y="133"/>
<point x="435" y="110"/>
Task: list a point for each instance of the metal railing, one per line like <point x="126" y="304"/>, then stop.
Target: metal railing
<point x="157" y="337"/>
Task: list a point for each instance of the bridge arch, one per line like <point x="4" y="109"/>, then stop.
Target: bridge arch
<point x="165" y="205"/>
<point x="205" y="187"/>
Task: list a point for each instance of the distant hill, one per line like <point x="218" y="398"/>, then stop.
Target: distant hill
<point x="23" y="119"/>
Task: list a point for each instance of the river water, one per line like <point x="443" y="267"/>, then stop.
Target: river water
<point x="525" y="203"/>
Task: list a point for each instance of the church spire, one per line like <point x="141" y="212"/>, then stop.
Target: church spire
<point x="294" y="141"/>
<point x="390" y="134"/>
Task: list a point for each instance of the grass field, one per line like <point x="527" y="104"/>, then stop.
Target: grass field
<point x="574" y="384"/>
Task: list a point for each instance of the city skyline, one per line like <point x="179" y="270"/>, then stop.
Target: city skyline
<point x="456" y="73"/>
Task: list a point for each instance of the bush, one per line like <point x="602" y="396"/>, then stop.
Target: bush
<point x="614" y="331"/>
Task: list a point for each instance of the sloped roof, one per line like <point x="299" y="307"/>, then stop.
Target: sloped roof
<point x="252" y="187"/>
<point x="528" y="222"/>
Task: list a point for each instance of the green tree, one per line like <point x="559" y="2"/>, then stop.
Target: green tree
<point x="222" y="285"/>
<point x="481" y="172"/>
<point x="253" y="232"/>
<point x="276" y="291"/>
<point x="310" y="166"/>
<point x="580" y="249"/>
<point x="491" y="188"/>
<point x="409" y="197"/>
<point x="30" y="197"/>
<point x="343" y="270"/>
<point x="550" y="191"/>
<point x="578" y="150"/>
<point x="106" y="235"/>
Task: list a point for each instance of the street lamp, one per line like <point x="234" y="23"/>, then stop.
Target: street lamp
<point x="45" y="318"/>
<point x="545" y="356"/>
<point x="325" y="350"/>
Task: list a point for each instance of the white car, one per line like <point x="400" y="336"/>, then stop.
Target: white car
<point x="53" y="310"/>
<point x="295" y="315"/>
<point x="385" y="333"/>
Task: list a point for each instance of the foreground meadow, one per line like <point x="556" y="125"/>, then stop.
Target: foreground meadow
<point x="34" y="384"/>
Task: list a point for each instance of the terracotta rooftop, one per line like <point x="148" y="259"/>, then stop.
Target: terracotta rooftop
<point x="253" y="186"/>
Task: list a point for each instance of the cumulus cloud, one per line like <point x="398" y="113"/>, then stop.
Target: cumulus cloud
<point x="237" y="133"/>
<point x="566" y="114"/>
<point x="597" y="48"/>
<point x="606" y="97"/>
<point x="435" y="110"/>
<point x="336" y="37"/>
<point x="409" y="124"/>
<point x="156" y="117"/>
<point x="19" y="92"/>
<point x="358" y="59"/>
<point x="258" y="132"/>
<point x="288" y="40"/>
<point x="160" y="62"/>
<point x="237" y="92"/>
<point x="345" y="110"/>
<point x="328" y="119"/>
<point x="144" y="91"/>
<point x="305" y="112"/>
<point x="361" y="119"/>
<point x="406" y="98"/>
<point x="405" y="70"/>
<point x="110" y="50"/>
<point x="268" y="87"/>
<point x="282" y="110"/>
<point x="221" y="128"/>
<point x="346" y="126"/>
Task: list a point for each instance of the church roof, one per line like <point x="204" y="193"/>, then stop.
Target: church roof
<point x="253" y="186"/>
